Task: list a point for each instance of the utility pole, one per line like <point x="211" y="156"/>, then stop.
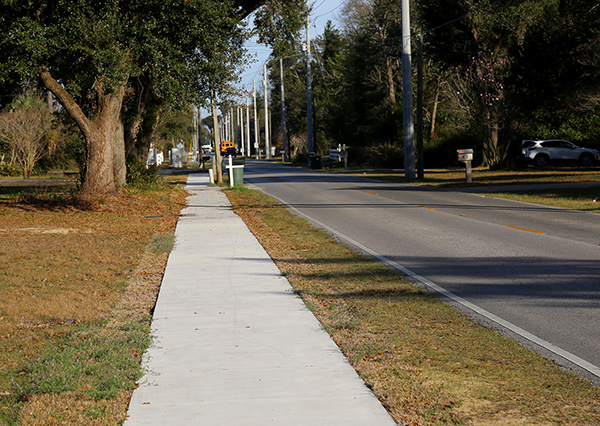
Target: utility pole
<point x="256" y="141"/>
<point x="309" y="130"/>
<point x="241" y="129"/>
<point x="420" y="159"/>
<point x="194" y="148"/>
<point x="229" y="125"/>
<point x="223" y="134"/>
<point x="267" y="144"/>
<point x="285" y="150"/>
<point x="249" y="151"/>
<point x="217" y="163"/>
<point x="407" y="103"/>
<point x="199" y="141"/>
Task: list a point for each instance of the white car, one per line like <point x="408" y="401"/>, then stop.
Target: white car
<point x="542" y="152"/>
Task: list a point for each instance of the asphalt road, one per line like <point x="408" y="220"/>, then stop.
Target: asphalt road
<point x="530" y="271"/>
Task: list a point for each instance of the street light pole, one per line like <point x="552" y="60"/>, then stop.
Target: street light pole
<point x="308" y="90"/>
<point x="407" y="102"/>
<point x="419" y="133"/>
<point x="256" y="141"/>
<point x="267" y="145"/>
<point x="285" y="150"/>
<point x="249" y="151"/>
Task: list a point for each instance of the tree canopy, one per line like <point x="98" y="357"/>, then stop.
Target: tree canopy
<point x="495" y="72"/>
<point x="89" y="53"/>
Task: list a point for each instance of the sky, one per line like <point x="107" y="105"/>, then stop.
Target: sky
<point x="323" y="11"/>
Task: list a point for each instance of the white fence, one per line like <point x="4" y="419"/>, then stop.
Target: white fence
<point x="335" y="155"/>
<point x="339" y="153"/>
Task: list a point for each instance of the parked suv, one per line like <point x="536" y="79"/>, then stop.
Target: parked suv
<point x="541" y="153"/>
<point x="229" y="151"/>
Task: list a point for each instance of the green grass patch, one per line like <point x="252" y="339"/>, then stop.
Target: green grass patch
<point x="97" y="363"/>
<point x="163" y="244"/>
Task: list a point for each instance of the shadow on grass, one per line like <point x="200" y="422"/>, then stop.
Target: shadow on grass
<point x="29" y="186"/>
<point x="542" y="282"/>
<point x="51" y="195"/>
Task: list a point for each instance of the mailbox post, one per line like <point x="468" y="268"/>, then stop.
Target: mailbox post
<point x="466" y="156"/>
<point x="344" y="156"/>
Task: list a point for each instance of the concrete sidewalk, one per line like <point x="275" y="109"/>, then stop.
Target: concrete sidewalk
<point x="233" y="344"/>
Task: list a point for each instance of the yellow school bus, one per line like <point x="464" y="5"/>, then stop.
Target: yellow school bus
<point x="227" y="148"/>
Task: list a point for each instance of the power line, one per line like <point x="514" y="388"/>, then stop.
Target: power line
<point x="320" y="5"/>
<point x="335" y="8"/>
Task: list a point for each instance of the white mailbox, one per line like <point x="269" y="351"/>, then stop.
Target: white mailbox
<point x="465" y="154"/>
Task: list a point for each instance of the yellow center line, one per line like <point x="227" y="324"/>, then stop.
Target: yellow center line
<point x="337" y="186"/>
<point x="425" y="207"/>
<point x="525" y="229"/>
<point x="372" y="193"/>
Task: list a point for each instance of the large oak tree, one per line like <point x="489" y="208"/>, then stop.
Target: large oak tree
<point x="88" y="52"/>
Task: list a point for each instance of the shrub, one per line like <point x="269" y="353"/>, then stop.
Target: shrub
<point x="8" y="170"/>
<point x="443" y="152"/>
<point x="386" y="156"/>
<point x="301" y="159"/>
<point x="141" y="177"/>
<point x="25" y="126"/>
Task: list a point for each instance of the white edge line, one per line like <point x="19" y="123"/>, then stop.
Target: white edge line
<point x="510" y="326"/>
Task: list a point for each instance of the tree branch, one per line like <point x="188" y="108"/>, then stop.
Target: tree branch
<point x="67" y="102"/>
<point x="246" y="7"/>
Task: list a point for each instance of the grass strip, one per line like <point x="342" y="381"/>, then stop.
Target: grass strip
<point x="449" y="178"/>
<point x="427" y="363"/>
<point x="585" y="199"/>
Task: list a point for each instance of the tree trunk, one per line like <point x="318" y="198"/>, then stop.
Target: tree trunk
<point x="120" y="165"/>
<point x="130" y="134"/>
<point x="491" y="151"/>
<point x="148" y="129"/>
<point x="98" y="133"/>
<point x="99" y="176"/>
<point x="390" y="78"/>
<point x="134" y="129"/>
<point x="436" y="101"/>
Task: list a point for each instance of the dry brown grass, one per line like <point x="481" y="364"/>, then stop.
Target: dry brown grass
<point x="67" y="262"/>
<point x="586" y="199"/>
<point x="449" y="178"/>
<point x="428" y="364"/>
